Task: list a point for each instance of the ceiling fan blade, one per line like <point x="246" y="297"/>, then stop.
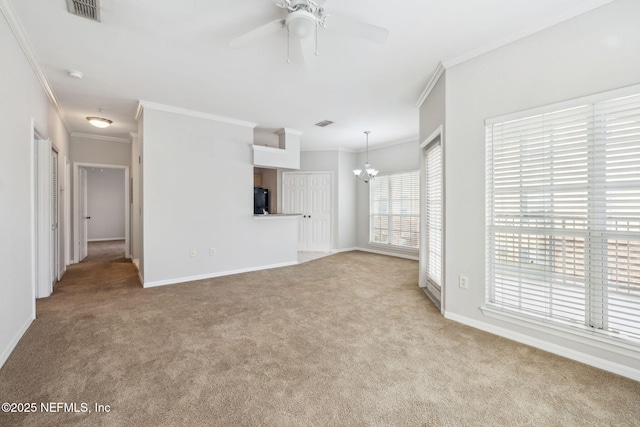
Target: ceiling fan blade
<point x="357" y="29"/>
<point x="308" y="47"/>
<point x="257" y="34"/>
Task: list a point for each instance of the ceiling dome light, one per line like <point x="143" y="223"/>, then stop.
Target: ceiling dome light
<point x="301" y="23"/>
<point x="99" y="122"/>
<point x="75" y="74"/>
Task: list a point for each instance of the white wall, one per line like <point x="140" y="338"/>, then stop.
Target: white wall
<point x="388" y="159"/>
<point x="106" y="152"/>
<point x="197" y="195"/>
<point x="432" y="110"/>
<point x="346" y="237"/>
<point x="594" y="52"/>
<point x="23" y="99"/>
<point x="105" y="204"/>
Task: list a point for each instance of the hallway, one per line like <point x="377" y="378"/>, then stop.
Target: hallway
<point x="104" y="269"/>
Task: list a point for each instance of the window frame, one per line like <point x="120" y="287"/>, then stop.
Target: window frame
<point x="594" y="322"/>
<point x="389" y="215"/>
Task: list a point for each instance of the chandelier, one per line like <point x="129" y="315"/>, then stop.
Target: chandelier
<point x="367" y="173"/>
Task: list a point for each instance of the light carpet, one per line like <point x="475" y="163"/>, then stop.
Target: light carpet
<point x="345" y="340"/>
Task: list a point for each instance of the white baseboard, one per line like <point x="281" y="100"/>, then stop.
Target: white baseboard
<point x="337" y="251"/>
<point x="109" y="239"/>
<point x="616" y="368"/>
<point x="381" y="252"/>
<point x="212" y="275"/>
<point x="15" y="340"/>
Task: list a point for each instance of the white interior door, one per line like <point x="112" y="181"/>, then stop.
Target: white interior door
<point x="294" y="203"/>
<point x="43" y="268"/>
<point x="84" y="216"/>
<point x="309" y="194"/>
<point x="318" y="194"/>
<point x="55" y="229"/>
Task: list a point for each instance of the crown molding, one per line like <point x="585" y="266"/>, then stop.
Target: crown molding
<point x="440" y="69"/>
<point x="392" y="143"/>
<point x="100" y="137"/>
<point x="371" y="148"/>
<point x="584" y="7"/>
<point x="190" y="113"/>
<point x="21" y="36"/>
<point x="338" y="149"/>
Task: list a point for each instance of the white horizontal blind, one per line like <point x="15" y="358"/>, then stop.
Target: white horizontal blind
<point x="379" y="209"/>
<point x="433" y="209"/>
<point x="395" y="209"/>
<point x="563" y="216"/>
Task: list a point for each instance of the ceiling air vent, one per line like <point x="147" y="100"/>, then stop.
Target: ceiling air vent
<point x="89" y="9"/>
<point x="324" y="123"/>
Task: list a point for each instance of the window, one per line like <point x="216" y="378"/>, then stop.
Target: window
<point x="433" y="211"/>
<point x="563" y="215"/>
<point x="395" y="209"/>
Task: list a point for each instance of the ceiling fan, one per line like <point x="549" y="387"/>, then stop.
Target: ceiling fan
<point x="302" y="22"/>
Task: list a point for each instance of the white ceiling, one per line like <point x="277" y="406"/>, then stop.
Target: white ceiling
<point x="177" y="53"/>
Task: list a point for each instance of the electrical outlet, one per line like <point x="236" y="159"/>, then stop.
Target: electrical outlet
<point x="212" y="251"/>
<point x="193" y="252"/>
<point x="464" y="282"/>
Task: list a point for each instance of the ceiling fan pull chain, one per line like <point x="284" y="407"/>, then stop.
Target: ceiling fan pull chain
<point x="288" y="47"/>
<point x="316" y="39"/>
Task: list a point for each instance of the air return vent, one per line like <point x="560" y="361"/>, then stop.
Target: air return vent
<point x="324" y="123"/>
<point x="89" y="9"/>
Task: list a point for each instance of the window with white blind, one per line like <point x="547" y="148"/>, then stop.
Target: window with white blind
<point x="433" y="211"/>
<point x="563" y="215"/>
<point x="395" y="209"/>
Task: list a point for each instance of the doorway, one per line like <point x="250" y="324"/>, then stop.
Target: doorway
<point x="431" y="278"/>
<point x="46" y="215"/>
<point x="82" y="226"/>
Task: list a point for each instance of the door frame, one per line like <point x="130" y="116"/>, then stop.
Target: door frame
<point x="41" y="272"/>
<point x="76" y="207"/>
<point x="436" y="295"/>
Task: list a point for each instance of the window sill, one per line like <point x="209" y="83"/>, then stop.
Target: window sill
<point x="393" y="247"/>
<point x="575" y="333"/>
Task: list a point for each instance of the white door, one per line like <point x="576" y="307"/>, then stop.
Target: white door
<point x="309" y="194"/>
<point x="55" y="233"/>
<point x="43" y="221"/>
<point x="84" y="216"/>
<point x="294" y="202"/>
<point x="319" y="212"/>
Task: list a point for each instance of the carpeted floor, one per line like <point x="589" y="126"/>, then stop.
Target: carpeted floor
<point x="106" y="251"/>
<point x="345" y="340"/>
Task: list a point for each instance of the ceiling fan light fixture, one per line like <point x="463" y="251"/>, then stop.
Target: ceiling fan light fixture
<point x="99" y="122"/>
<point x="301" y="23"/>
